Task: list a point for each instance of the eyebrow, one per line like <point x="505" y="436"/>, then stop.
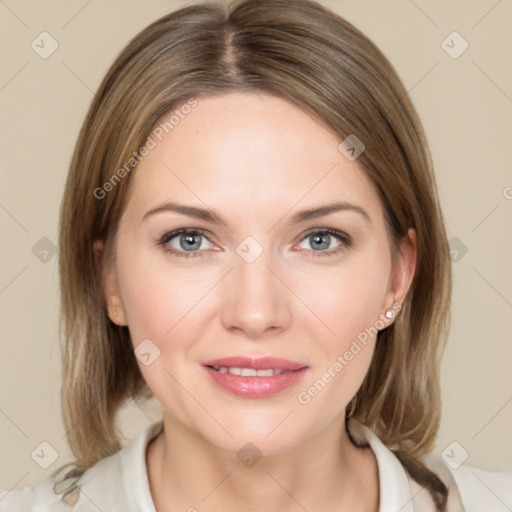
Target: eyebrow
<point x="213" y="217"/>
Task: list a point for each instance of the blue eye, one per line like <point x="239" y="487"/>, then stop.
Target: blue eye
<point x="189" y="242"/>
<point x="321" y="239"/>
<point x="186" y="243"/>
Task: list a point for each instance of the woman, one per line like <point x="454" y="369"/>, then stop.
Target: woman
<point x="251" y="233"/>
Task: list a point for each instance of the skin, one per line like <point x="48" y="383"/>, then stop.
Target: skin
<point x="256" y="160"/>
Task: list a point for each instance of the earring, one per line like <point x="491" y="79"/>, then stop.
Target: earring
<point x="390" y="313"/>
<point x="115" y="311"/>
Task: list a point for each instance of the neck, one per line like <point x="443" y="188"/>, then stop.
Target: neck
<point x="326" y="472"/>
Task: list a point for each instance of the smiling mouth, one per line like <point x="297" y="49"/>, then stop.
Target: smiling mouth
<point x="253" y="377"/>
<point x="249" y="372"/>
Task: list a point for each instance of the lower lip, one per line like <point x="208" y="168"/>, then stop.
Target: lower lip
<point x="256" y="387"/>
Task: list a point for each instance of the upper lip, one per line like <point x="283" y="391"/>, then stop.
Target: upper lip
<point x="258" y="363"/>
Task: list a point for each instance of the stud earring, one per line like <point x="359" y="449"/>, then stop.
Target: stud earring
<point x="390" y="313"/>
<point x="115" y="311"/>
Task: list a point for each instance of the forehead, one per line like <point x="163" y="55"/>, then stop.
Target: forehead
<point x="247" y="151"/>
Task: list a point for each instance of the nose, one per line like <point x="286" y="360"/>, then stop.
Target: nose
<point x="257" y="302"/>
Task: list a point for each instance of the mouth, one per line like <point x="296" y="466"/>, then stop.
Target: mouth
<point x="249" y="372"/>
<point x="255" y="377"/>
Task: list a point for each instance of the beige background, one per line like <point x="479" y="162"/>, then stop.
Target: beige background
<point x="465" y="104"/>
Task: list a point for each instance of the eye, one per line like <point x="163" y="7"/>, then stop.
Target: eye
<point x="321" y="239"/>
<point x="184" y="242"/>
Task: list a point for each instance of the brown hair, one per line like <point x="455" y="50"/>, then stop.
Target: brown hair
<point x="323" y="64"/>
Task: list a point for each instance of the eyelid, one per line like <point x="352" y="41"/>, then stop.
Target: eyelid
<point x="331" y="231"/>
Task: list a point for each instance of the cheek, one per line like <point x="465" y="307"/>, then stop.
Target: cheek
<point x="147" y="306"/>
<point x="161" y="303"/>
<point x="347" y="300"/>
<point x="158" y="297"/>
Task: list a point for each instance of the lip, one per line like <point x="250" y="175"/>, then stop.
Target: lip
<point x="256" y="387"/>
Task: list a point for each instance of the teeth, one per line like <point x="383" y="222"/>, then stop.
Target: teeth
<point x="249" y="372"/>
<point x="266" y="373"/>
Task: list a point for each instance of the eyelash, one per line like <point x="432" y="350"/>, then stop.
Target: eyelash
<point x="346" y="242"/>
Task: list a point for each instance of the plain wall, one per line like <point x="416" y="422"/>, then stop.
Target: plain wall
<point x="465" y="104"/>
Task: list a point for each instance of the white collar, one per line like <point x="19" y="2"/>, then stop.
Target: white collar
<point x="394" y="484"/>
<point x="395" y="489"/>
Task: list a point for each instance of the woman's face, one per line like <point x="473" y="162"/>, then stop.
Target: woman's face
<point x="260" y="280"/>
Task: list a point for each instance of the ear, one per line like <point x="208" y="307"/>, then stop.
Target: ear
<point x="404" y="268"/>
<point x="115" y="309"/>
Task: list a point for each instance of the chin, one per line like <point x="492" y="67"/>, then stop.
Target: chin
<point x="251" y="441"/>
<point x="273" y="431"/>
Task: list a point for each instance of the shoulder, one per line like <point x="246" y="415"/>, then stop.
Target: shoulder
<point x="66" y="490"/>
<point x="43" y="494"/>
<point x="115" y="483"/>
<point x="470" y="489"/>
<point x="481" y="489"/>
<point x="476" y="489"/>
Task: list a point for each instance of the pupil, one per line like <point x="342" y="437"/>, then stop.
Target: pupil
<point x="191" y="240"/>
<point x="318" y="239"/>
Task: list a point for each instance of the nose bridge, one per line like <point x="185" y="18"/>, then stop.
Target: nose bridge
<point x="257" y="299"/>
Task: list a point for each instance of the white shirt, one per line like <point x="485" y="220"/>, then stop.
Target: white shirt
<point x="119" y="483"/>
